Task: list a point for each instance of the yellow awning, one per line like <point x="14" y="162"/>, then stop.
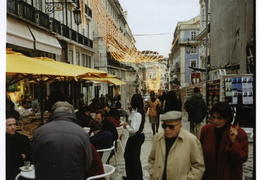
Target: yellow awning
<point x="78" y="71"/>
<point x="18" y="63"/>
<point x="115" y="81"/>
<point x="108" y="79"/>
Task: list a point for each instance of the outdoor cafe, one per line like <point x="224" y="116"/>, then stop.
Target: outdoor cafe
<point x="22" y="70"/>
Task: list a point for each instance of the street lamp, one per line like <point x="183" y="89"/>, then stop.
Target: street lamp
<point x="52" y="6"/>
<point x="77" y="16"/>
<point x="188" y="47"/>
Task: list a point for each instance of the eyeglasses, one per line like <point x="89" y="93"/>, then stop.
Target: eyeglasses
<point x="164" y="126"/>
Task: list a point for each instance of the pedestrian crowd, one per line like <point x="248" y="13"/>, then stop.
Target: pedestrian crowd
<point x="62" y="150"/>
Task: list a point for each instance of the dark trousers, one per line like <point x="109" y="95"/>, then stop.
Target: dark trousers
<point x="132" y="157"/>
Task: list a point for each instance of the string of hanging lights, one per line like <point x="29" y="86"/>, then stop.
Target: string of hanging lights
<point x="118" y="45"/>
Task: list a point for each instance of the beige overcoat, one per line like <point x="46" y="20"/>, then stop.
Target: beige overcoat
<point x="185" y="158"/>
<point x="152" y="107"/>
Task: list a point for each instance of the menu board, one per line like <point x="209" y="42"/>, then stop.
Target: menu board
<point x="239" y="86"/>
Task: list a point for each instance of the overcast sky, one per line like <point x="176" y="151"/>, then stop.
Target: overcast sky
<point x="155" y="21"/>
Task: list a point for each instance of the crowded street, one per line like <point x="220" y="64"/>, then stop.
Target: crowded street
<point x="146" y="148"/>
<point x="130" y="89"/>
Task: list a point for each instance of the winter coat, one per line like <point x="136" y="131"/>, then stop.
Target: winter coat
<point x="16" y="145"/>
<point x="108" y="125"/>
<point x="102" y="139"/>
<point x="96" y="167"/>
<point x="61" y="149"/>
<point x="185" y="158"/>
<point x="152" y="107"/>
<point x="196" y="108"/>
<point x="230" y="157"/>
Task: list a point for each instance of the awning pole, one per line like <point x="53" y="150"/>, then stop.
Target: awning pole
<point x="41" y="99"/>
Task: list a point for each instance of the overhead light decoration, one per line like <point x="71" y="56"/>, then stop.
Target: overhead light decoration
<point x="118" y="45"/>
<point x="154" y="84"/>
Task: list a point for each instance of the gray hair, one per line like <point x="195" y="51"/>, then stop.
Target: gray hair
<point x="62" y="106"/>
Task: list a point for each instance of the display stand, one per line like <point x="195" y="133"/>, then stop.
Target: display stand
<point x="237" y="90"/>
<point x="213" y="93"/>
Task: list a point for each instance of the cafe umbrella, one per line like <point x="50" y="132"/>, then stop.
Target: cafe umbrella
<point x="20" y="67"/>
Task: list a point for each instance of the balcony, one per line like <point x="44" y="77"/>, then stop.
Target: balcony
<point x="29" y="13"/>
<point x="56" y="26"/>
<point x="25" y="11"/>
<point x="80" y="38"/>
<point x="73" y="35"/>
<point x="65" y="31"/>
<point x="88" y="11"/>
<point x="42" y="19"/>
<point x="87" y="42"/>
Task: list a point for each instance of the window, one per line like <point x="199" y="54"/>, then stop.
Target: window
<point x="70" y="56"/>
<point x="69" y="18"/>
<point x="38" y="5"/>
<point x="78" y="58"/>
<point x="193" y="50"/>
<point x="123" y="74"/>
<point x="83" y="59"/>
<point x="193" y="35"/>
<point x="86" y="60"/>
<point x="193" y="63"/>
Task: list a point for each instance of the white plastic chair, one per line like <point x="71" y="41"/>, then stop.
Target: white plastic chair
<point x="114" y="144"/>
<point x="108" y="170"/>
<point x="17" y="177"/>
<point x="120" y="132"/>
<point x="106" y="153"/>
<point x="86" y="129"/>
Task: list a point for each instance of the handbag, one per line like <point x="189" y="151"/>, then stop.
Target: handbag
<point x="158" y="109"/>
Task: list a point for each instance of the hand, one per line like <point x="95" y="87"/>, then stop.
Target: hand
<point x="125" y="124"/>
<point x="24" y="156"/>
<point x="233" y="133"/>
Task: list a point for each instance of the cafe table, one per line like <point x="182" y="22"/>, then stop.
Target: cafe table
<point x="21" y="123"/>
<point x="27" y="174"/>
<point x="24" y="132"/>
<point x="37" y="118"/>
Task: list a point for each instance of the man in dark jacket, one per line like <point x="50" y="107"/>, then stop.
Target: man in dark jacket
<point x="107" y="125"/>
<point x="18" y="149"/>
<point x="61" y="148"/>
<point x="84" y="116"/>
<point x="197" y="110"/>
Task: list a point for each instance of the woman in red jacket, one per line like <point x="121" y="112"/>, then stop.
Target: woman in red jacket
<point x="225" y="146"/>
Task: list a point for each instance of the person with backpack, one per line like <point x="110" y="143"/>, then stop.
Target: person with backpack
<point x="197" y="110"/>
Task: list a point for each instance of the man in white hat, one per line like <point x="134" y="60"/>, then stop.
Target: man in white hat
<point x="176" y="153"/>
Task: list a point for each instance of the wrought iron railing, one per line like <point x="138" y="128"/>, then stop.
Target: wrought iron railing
<point x="30" y="13"/>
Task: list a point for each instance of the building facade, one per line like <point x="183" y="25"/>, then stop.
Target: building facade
<point x="115" y="20"/>
<point x="48" y="29"/>
<point x="185" y="53"/>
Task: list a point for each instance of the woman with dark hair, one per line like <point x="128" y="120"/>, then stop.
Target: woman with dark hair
<point x="152" y="103"/>
<point x="225" y="146"/>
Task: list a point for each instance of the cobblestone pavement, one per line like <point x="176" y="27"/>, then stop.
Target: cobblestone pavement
<point x="145" y="151"/>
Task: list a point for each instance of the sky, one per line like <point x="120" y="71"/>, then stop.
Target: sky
<point x="153" y="21"/>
